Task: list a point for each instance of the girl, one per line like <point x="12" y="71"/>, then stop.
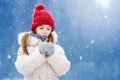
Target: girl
<point x="39" y="57"/>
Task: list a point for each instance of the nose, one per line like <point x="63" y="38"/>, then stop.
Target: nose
<point x="44" y="31"/>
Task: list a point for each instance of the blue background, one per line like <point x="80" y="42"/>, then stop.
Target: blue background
<point x="88" y="30"/>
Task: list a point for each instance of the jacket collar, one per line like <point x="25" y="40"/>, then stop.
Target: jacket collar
<point x="33" y="41"/>
<point x="38" y="36"/>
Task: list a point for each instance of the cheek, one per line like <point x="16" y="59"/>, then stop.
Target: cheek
<point x="39" y="32"/>
<point x="48" y="33"/>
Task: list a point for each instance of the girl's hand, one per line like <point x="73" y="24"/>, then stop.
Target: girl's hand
<point x="46" y="49"/>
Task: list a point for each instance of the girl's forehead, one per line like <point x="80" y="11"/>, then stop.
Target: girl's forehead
<point x="44" y="26"/>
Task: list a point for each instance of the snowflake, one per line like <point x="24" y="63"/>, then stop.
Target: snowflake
<point x="9" y="56"/>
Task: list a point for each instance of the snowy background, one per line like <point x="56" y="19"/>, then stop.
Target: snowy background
<point x="88" y="30"/>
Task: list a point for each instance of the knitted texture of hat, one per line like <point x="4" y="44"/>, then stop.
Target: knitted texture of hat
<point x="41" y="16"/>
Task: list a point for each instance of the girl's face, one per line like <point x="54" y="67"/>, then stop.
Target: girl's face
<point x="44" y="30"/>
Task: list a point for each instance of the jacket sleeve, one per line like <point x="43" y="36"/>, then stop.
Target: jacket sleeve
<point x="59" y="61"/>
<point x="26" y="64"/>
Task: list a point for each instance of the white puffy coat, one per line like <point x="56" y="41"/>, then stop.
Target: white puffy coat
<point x="36" y="67"/>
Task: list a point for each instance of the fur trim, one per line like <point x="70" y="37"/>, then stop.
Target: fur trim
<point x="20" y="36"/>
<point x="33" y="41"/>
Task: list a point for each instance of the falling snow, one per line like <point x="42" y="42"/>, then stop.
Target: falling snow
<point x="88" y="30"/>
<point x="92" y="41"/>
<point x="9" y="56"/>
<point x="81" y="57"/>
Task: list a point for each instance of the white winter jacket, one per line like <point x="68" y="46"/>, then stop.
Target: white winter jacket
<point x="36" y="67"/>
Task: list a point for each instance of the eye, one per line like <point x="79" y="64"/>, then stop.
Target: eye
<point x="41" y="28"/>
<point x="48" y="29"/>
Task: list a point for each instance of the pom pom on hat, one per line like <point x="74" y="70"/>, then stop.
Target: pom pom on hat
<point x="39" y="7"/>
<point x="41" y="16"/>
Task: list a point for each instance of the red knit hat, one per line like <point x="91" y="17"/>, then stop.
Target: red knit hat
<point x="42" y="16"/>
